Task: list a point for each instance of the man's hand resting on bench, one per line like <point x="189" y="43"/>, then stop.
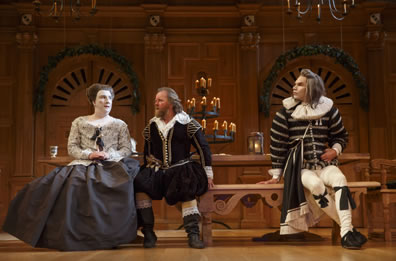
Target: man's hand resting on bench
<point x="270" y="181"/>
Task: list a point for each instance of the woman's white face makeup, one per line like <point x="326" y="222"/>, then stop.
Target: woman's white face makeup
<point x="103" y="102"/>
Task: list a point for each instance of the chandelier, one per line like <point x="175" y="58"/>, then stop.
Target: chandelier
<point x="338" y="8"/>
<point x="209" y="112"/>
<point x="58" y="7"/>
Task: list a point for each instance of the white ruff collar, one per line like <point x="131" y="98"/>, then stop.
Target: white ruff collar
<point x="305" y="112"/>
<point x="164" y="128"/>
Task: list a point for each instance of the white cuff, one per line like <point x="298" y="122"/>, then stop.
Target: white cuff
<point x="338" y="148"/>
<point x="209" y="172"/>
<point x="85" y="154"/>
<point x="275" y="173"/>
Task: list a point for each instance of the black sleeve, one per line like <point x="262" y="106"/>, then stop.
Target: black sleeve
<point x="200" y="143"/>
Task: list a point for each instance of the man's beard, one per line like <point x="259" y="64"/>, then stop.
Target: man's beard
<point x="160" y="113"/>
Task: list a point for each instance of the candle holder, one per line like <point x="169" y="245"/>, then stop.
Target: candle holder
<point x="209" y="112"/>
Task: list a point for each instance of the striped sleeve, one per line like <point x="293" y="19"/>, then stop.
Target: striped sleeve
<point x="279" y="140"/>
<point x="338" y="133"/>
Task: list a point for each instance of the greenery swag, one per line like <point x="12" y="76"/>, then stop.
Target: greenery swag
<point x="340" y="57"/>
<point x="87" y="49"/>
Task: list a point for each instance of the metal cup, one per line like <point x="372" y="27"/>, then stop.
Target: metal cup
<point x="53" y="151"/>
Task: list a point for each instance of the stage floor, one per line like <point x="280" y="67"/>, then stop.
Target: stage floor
<point x="230" y="245"/>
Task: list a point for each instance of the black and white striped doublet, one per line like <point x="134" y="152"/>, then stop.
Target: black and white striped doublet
<point x="323" y="133"/>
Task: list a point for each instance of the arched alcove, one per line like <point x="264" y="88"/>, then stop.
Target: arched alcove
<point x="65" y="98"/>
<point x="340" y="87"/>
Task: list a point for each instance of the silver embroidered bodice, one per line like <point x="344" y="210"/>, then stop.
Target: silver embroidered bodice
<point x="114" y="134"/>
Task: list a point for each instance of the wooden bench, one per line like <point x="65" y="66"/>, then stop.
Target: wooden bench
<point x="222" y="199"/>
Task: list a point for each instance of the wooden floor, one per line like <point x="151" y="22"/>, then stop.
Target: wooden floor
<point x="230" y="245"/>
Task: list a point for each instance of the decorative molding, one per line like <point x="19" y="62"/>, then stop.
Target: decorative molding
<point x="53" y="61"/>
<point x="155" y="41"/>
<point x="249" y="40"/>
<point x="26" y="39"/>
<point x="375" y="39"/>
<point x="339" y="55"/>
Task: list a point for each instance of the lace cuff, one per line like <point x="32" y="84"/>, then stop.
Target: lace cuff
<point x="85" y="153"/>
<point x="145" y="203"/>
<point x="190" y="211"/>
<point x="338" y="148"/>
<point x="275" y="173"/>
<point x="209" y="172"/>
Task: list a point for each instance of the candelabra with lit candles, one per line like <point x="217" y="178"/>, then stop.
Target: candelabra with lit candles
<point x="210" y="111"/>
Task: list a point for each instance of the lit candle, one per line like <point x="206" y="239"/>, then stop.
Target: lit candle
<point x="203" y="124"/>
<point x="233" y="127"/>
<point x="188" y="104"/>
<point x="218" y="103"/>
<point x="193" y="102"/>
<point x="93" y="4"/>
<point x="257" y="147"/>
<point x="196" y="84"/>
<point x="216" y="125"/>
<point x="353" y="3"/>
<point x="345" y="7"/>
<point x="224" y="125"/>
<point x="288" y="4"/>
<point x="298" y="10"/>
<point x="209" y="82"/>
<point x="202" y="82"/>
<point x="318" y="11"/>
<point x="204" y="100"/>
<point x="55" y="9"/>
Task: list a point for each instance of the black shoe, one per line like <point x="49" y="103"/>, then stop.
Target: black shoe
<point x="149" y="239"/>
<point x="191" y="226"/>
<point x="195" y="242"/>
<point x="348" y="241"/>
<point x="360" y="238"/>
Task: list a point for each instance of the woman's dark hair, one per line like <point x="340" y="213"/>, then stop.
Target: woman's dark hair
<point x="92" y="91"/>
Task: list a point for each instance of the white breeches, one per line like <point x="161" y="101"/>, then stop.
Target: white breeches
<point x="316" y="181"/>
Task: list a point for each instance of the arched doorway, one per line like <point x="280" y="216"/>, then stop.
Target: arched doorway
<point x="65" y="99"/>
<point x="340" y="87"/>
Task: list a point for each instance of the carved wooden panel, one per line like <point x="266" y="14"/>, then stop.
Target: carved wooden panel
<point x="177" y="53"/>
<point x="390" y="57"/>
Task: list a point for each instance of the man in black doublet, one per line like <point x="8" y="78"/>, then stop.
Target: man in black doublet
<point x="168" y="171"/>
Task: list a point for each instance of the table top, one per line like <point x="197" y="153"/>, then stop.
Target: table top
<point x="219" y="160"/>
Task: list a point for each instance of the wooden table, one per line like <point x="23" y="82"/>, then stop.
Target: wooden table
<point x="224" y="160"/>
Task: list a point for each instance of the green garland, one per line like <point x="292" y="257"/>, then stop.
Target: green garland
<point x="87" y="49"/>
<point x="340" y="57"/>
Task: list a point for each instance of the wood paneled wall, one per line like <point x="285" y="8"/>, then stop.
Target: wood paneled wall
<point x="204" y="36"/>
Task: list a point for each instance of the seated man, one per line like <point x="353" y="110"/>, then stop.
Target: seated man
<point x="300" y="134"/>
<point x="168" y="170"/>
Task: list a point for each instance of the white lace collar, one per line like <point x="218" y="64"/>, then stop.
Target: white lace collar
<point x="164" y="128"/>
<point x="305" y="112"/>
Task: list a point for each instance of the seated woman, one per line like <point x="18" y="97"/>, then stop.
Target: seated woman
<point x="90" y="203"/>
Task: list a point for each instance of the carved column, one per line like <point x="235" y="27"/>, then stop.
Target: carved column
<point x="249" y="39"/>
<point x="154" y="42"/>
<point x="26" y="39"/>
<point x="249" y="54"/>
<point x="378" y="122"/>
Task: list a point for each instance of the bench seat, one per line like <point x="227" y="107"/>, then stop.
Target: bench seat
<point x="222" y="199"/>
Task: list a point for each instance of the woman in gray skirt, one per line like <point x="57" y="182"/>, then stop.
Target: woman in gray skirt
<point x="88" y="204"/>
